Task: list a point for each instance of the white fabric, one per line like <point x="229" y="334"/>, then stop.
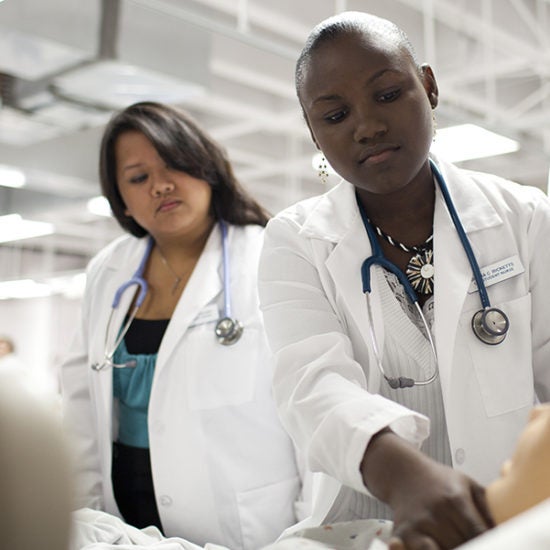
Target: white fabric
<point x="326" y="380"/>
<point x="526" y="531"/>
<point x="224" y="469"/>
<point x="96" y="530"/>
<point x="407" y="352"/>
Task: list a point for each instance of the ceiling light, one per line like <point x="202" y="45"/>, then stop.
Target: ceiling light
<point x="28" y="56"/>
<point x="11" y="177"/>
<point x="99" y="206"/>
<point x="23" y="288"/>
<point x="70" y="285"/>
<point x="116" y="85"/>
<point x="468" y="141"/>
<point x="19" y="129"/>
<point x="13" y="228"/>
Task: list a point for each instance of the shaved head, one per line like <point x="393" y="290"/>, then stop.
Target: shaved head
<point x="353" y="22"/>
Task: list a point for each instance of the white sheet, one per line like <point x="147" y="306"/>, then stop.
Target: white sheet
<point x="96" y="530"/>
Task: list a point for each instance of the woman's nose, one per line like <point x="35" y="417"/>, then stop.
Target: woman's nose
<point x="162" y="187"/>
<point x="368" y="126"/>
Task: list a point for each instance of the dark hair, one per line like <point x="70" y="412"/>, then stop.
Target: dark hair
<point x="184" y="146"/>
<point x="346" y="23"/>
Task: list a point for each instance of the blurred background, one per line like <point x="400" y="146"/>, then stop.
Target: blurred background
<point x="66" y="65"/>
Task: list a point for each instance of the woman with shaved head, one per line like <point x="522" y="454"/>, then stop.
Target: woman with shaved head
<point x="407" y="306"/>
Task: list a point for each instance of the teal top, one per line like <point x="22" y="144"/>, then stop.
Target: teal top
<point x="132" y="388"/>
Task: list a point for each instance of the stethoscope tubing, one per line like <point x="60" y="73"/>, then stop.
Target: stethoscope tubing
<point x="226" y="277"/>
<point x="228" y="337"/>
<point x="481" y="326"/>
<point x="476" y="271"/>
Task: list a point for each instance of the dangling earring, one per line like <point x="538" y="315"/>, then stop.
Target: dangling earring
<point x="433" y="103"/>
<point x="323" y="170"/>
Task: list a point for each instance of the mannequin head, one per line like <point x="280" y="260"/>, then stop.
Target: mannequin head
<point x="525" y="478"/>
<point x="35" y="500"/>
<point x="6" y="346"/>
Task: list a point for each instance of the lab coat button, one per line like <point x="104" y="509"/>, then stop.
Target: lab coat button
<point x="165" y="500"/>
<point x="460" y="456"/>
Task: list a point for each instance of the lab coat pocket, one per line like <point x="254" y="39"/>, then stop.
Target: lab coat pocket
<point x="504" y="372"/>
<point x="265" y="512"/>
<point x="218" y="375"/>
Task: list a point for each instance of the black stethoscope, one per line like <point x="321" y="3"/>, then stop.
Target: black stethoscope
<point x="489" y="324"/>
<point x="228" y="330"/>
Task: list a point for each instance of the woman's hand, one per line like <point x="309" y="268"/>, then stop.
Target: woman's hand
<point x="435" y="507"/>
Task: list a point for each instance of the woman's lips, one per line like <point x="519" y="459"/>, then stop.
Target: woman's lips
<point x="168" y="206"/>
<point x="378" y="155"/>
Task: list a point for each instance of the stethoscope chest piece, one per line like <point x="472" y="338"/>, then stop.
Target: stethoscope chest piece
<point x="490" y="325"/>
<point x="228" y="331"/>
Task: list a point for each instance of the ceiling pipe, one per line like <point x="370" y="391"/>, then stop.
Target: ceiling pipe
<point x="108" y="29"/>
<point x="209" y="24"/>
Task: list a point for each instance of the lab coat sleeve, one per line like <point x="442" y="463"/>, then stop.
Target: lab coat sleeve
<point x="78" y="416"/>
<point x="538" y="233"/>
<point x="319" y="387"/>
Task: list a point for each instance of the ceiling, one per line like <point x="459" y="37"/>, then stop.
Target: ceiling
<point x="230" y="63"/>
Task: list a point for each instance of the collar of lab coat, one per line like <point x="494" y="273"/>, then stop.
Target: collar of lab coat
<point x="336" y="212"/>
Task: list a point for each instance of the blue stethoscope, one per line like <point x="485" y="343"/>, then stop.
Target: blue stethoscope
<point x="489" y="324"/>
<point x="228" y="330"/>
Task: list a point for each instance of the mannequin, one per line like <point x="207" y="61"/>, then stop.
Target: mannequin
<point x="525" y="478"/>
<point x="34" y="472"/>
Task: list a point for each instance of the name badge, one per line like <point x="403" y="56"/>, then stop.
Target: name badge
<point x="498" y="272"/>
<point x="209" y="314"/>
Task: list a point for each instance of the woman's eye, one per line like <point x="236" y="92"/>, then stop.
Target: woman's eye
<point x="335" y="117"/>
<point x="139" y="178"/>
<point x="390" y="96"/>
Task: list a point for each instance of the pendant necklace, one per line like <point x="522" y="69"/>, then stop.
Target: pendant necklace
<point x="420" y="269"/>
<point x="178" y="278"/>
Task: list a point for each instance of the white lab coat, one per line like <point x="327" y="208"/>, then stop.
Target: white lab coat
<point x="224" y="469"/>
<point x="317" y="325"/>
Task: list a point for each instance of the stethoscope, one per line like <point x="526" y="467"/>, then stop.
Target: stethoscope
<point x="489" y="324"/>
<point x="228" y="330"/>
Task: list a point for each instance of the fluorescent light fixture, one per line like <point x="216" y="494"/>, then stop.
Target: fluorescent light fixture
<point x="116" y="85"/>
<point x="19" y="129"/>
<point x="14" y="228"/>
<point x="64" y="115"/>
<point x="70" y="285"/>
<point x="468" y="141"/>
<point x="25" y="55"/>
<point x="11" y="177"/>
<point x="99" y="206"/>
<point x="23" y="288"/>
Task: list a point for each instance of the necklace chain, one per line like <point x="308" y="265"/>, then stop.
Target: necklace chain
<point x="416" y="248"/>
<point x="178" y="278"/>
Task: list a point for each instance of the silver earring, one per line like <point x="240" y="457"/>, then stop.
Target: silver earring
<point x="323" y="170"/>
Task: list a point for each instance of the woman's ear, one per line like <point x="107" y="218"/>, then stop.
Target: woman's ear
<point x="430" y="85"/>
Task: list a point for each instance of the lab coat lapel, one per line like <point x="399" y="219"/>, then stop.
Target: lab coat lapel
<point x="453" y="273"/>
<point x="337" y="219"/>
<point x="118" y="270"/>
<point x="205" y="283"/>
